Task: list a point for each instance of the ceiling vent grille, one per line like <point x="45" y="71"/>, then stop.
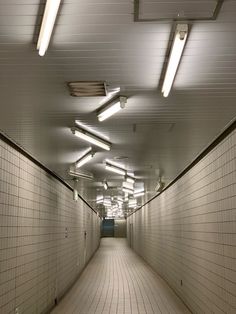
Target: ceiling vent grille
<point x="178" y="10"/>
<point x="87" y="89"/>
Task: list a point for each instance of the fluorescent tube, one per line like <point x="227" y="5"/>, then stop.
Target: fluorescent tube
<point x="137" y="194"/>
<point x="91" y="138"/>
<point x="115" y="169"/>
<point x="175" y="56"/>
<point x="128" y="185"/>
<point x="80" y="175"/>
<point x="49" y="17"/>
<point x="112" y="108"/>
<point x="84" y="159"/>
<point x="99" y="201"/>
<point x="129" y="191"/>
<point x="129" y="179"/>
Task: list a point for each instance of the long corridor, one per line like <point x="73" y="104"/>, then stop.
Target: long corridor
<point x="118" y="281"/>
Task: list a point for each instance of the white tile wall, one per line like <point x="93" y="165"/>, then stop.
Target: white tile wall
<point x="42" y="244"/>
<point x="188" y="233"/>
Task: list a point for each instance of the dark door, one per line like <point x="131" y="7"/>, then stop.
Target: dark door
<point x="108" y="228"/>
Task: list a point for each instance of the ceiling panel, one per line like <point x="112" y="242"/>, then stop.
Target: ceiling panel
<point x="99" y="40"/>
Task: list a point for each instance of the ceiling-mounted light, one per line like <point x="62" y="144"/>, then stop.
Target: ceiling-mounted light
<point x="84" y="159"/>
<point x="99" y="200"/>
<point x="91" y="138"/>
<point x="128" y="185"/>
<point x="105" y="185"/>
<point x="129" y="179"/>
<point x="49" y="17"/>
<point x="127" y="190"/>
<point x="82" y="175"/>
<point x="107" y="203"/>
<point x="139" y="193"/>
<point x="132" y="203"/>
<point x="112" y="108"/>
<point x="175" y="56"/>
<point x="115" y="169"/>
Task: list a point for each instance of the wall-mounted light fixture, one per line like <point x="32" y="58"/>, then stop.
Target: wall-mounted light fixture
<point x="111" y="108"/>
<point x="75" y="190"/>
<point x="85" y="158"/>
<point x="91" y="138"/>
<point x="105" y="185"/>
<point x="181" y="34"/>
<point x="160" y="185"/>
<point x="49" y="17"/>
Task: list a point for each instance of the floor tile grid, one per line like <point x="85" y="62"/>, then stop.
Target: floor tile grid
<point x="82" y="290"/>
<point x="155" y="301"/>
<point x="140" y="295"/>
<point x="148" y="279"/>
<point x="91" y="305"/>
<point x="119" y="282"/>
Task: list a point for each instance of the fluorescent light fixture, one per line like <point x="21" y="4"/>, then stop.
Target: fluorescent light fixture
<point x="127" y="190"/>
<point x="160" y="185"/>
<point x="126" y="198"/>
<point x="100" y="200"/>
<point x="105" y="185"/>
<point x="120" y="200"/>
<point x="81" y="175"/>
<point x="75" y="195"/>
<point x="128" y="185"/>
<point x="49" y="17"/>
<point x="75" y="191"/>
<point x="175" y="56"/>
<point x="112" y="108"/>
<point x="115" y="169"/>
<point x="129" y="179"/>
<point x="108" y="204"/>
<point x="84" y="159"/>
<point x="91" y="138"/>
<point x="137" y="194"/>
<point x="132" y="203"/>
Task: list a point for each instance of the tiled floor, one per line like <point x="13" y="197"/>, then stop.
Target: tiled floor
<point x="118" y="281"/>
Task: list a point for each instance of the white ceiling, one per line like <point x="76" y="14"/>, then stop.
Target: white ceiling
<point x="98" y="40"/>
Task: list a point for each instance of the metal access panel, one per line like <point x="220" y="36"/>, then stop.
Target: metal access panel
<point x="178" y="10"/>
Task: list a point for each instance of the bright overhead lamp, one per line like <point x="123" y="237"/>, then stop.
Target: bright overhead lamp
<point x="175" y="56"/>
<point x="99" y="200"/>
<point x="107" y="203"/>
<point x="82" y="175"/>
<point x="49" y="17"/>
<point x="115" y="169"/>
<point x="140" y="193"/>
<point x="127" y="190"/>
<point x="111" y="108"/>
<point x="129" y="179"/>
<point x="91" y="138"/>
<point x="120" y="200"/>
<point x="105" y="185"/>
<point x="128" y="185"/>
<point x="132" y="203"/>
<point x="84" y="159"/>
